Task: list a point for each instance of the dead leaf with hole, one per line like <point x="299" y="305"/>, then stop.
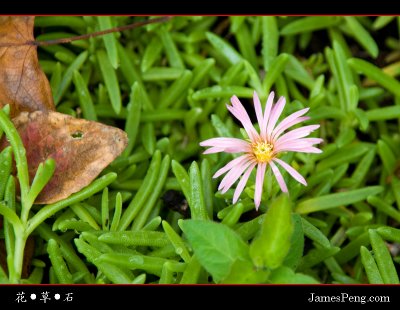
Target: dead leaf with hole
<point x="80" y="148"/>
<point x="23" y="85"/>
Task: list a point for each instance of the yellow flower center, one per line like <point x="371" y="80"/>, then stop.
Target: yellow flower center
<point x="262" y="151"/>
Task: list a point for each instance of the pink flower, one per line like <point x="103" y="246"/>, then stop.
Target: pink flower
<point x="262" y="149"/>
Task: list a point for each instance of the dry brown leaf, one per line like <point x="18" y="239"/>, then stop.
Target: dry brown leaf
<point x="23" y="85"/>
<point x="80" y="148"/>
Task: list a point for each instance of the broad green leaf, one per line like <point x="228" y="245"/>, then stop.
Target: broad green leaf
<point x="270" y="248"/>
<point x="293" y="258"/>
<point x="249" y="229"/>
<point x="285" y="275"/>
<point x="215" y="245"/>
<point x="243" y="272"/>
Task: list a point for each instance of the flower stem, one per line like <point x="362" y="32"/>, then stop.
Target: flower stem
<point x="20" y="241"/>
<point x="19" y="154"/>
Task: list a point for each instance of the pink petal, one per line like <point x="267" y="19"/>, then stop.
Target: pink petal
<point x="232" y="176"/>
<point x="312" y="140"/>
<point x="236" y="149"/>
<point x="276" y="112"/>
<point x="243" y="117"/>
<point x="301" y="150"/>
<point x="297" y="176"/>
<point x="279" y="177"/>
<point x="230" y="165"/>
<point x="278" y="131"/>
<point x="258" y="109"/>
<point x="259" y="184"/>
<point x="297" y="133"/>
<point x="214" y="149"/>
<point x="267" y="113"/>
<point x="304" y="142"/>
<point x="242" y="182"/>
<point x="310" y="150"/>
<point x="287" y="122"/>
<point x="229" y="145"/>
<point x="251" y="132"/>
<point x="220" y="142"/>
<point x="275" y="135"/>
